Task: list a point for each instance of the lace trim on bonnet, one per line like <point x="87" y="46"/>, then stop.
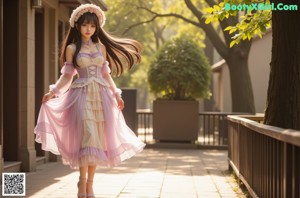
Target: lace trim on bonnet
<point x="83" y="8"/>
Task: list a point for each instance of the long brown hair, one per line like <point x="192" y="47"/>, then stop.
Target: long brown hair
<point x="121" y="52"/>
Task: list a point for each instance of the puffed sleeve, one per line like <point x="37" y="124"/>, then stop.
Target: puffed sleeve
<point x="65" y="80"/>
<point x="105" y="68"/>
<point x="68" y="68"/>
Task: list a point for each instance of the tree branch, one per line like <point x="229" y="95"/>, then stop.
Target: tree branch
<point x="170" y="15"/>
<point x="209" y="30"/>
<point x="211" y="3"/>
<point x="231" y="21"/>
<point x="138" y="24"/>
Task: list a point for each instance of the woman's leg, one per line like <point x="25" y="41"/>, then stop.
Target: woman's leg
<point x="90" y="179"/>
<point x="82" y="182"/>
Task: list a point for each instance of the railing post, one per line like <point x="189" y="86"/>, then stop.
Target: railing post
<point x="239" y="147"/>
<point x="287" y="170"/>
<point x="296" y="173"/>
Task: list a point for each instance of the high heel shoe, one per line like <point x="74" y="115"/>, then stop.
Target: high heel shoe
<point x="81" y="195"/>
<point x="90" y="195"/>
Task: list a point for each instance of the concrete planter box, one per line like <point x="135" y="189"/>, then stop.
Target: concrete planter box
<point x="175" y="121"/>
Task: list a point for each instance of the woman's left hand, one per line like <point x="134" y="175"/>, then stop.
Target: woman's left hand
<point x="120" y="103"/>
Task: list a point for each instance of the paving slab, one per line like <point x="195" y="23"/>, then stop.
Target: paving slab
<point x="154" y="173"/>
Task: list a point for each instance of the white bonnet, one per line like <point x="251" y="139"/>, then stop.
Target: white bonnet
<point x="83" y="8"/>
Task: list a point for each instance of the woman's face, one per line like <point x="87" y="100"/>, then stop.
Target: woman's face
<point x="87" y="30"/>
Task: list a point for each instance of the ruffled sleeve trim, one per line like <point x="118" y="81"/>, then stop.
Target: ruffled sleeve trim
<point x="105" y="68"/>
<point x="68" y="68"/>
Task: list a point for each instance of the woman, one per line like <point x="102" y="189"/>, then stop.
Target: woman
<point x="84" y="122"/>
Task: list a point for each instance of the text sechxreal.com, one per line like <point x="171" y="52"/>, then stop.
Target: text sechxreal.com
<point x="260" y="6"/>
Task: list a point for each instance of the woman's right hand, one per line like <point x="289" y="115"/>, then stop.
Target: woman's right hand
<point x="48" y="96"/>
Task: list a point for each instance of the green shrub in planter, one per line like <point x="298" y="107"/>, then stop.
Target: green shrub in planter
<point x="180" y="71"/>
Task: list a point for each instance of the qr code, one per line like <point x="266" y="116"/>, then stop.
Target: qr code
<point x="13" y="184"/>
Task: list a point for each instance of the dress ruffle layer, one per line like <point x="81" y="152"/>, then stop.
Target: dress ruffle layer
<point x="85" y="127"/>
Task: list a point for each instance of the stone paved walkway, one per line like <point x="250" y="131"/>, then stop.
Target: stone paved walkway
<point x="154" y="173"/>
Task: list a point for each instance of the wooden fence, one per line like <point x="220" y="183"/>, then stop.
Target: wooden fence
<point x="265" y="158"/>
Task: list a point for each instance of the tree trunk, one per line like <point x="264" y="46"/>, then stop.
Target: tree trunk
<point x="240" y="83"/>
<point x="283" y="100"/>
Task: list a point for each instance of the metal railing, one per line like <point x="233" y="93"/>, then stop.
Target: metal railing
<point x="145" y="125"/>
<point x="265" y="158"/>
<point x="212" y="127"/>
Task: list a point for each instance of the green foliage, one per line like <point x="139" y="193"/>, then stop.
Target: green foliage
<point x="180" y="71"/>
<point x="129" y="20"/>
<point x="254" y="21"/>
<point x="121" y="21"/>
<point x="121" y="16"/>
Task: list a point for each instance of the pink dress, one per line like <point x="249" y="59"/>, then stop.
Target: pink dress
<point x="84" y="125"/>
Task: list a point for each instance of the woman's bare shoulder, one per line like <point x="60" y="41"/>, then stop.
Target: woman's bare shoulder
<point x="71" y="47"/>
<point x="103" y="48"/>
